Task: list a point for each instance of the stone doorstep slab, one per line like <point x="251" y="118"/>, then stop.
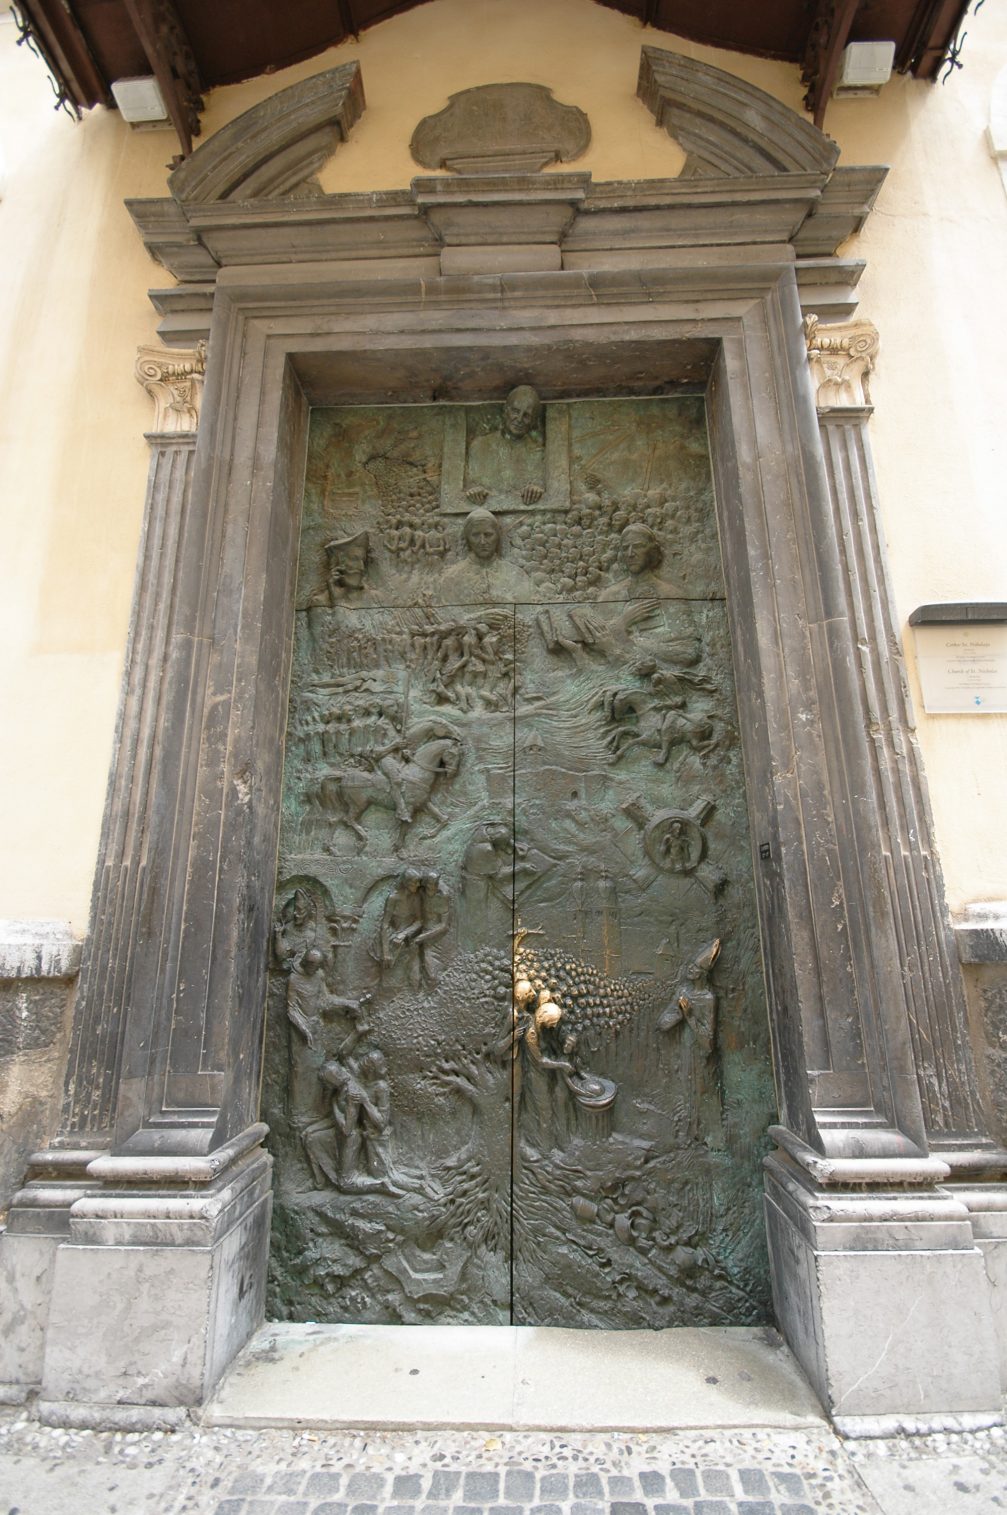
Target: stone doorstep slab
<point x="513" y="1377"/>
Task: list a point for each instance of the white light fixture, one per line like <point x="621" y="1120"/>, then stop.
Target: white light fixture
<point x="139" y="100"/>
<point x="866" y="67"/>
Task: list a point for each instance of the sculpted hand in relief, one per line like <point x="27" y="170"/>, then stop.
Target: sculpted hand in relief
<point x="509" y="464"/>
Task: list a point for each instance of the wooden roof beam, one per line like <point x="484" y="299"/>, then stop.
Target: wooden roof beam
<point x="172" y="62"/>
<point x="829" y="34"/>
<point x="55" y="34"/>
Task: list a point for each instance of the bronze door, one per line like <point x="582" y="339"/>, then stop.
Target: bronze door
<point x="517" y="1064"/>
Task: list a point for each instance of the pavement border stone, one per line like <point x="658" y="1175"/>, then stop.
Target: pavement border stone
<point x="196" y="1470"/>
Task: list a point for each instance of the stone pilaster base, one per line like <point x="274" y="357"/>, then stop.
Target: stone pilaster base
<point x="883" y="1296"/>
<point x="155" y="1288"/>
<point x="987" y="1207"/>
<point x="38" y="1223"/>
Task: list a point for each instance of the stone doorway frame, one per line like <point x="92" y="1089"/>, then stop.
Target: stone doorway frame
<point x="456" y="290"/>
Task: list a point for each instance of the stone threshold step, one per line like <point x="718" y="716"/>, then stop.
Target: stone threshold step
<point x="513" y="1378"/>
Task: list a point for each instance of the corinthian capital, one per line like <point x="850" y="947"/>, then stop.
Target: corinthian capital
<point x="841" y="358"/>
<point x="173" y="377"/>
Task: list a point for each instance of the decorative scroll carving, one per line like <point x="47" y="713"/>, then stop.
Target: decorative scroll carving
<point x="842" y="359"/>
<point x="174" y="380"/>
<point x="503" y="129"/>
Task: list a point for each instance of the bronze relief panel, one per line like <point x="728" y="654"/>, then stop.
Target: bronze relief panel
<point x="517" y="1062"/>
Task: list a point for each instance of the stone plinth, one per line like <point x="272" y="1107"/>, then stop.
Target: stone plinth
<point x="39" y="962"/>
<point x="155" y="1289"/>
<point x="38" y="1223"/>
<point x="882" y="1295"/>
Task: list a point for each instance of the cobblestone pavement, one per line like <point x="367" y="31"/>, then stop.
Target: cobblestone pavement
<point x="45" y="1471"/>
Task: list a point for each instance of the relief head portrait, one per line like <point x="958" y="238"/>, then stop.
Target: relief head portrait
<point x="641" y="558"/>
<point x="507" y="465"/>
<point x="484" y="573"/>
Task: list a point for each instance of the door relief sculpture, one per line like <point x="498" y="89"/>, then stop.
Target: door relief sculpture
<point x="517" y="1063"/>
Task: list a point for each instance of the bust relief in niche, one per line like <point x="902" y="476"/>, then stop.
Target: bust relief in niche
<point x="512" y="457"/>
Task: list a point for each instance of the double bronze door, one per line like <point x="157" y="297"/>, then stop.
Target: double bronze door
<point x="517" y="1065"/>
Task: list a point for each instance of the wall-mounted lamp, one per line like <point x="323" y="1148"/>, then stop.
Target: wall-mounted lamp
<point x="866" y="66"/>
<point x="139" y="100"/>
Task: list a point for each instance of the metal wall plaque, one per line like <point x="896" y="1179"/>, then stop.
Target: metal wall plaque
<point x="517" y="1061"/>
<point x="963" y="668"/>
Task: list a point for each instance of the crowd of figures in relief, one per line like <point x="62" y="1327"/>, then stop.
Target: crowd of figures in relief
<point x="517" y="1058"/>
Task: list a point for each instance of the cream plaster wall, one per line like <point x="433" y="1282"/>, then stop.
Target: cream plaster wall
<point x="72" y="472"/>
<point x="73" y="461"/>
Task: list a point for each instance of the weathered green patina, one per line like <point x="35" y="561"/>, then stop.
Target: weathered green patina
<point x="517" y="1063"/>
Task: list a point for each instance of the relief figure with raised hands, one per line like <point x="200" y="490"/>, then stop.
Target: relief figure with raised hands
<point x="509" y="464"/>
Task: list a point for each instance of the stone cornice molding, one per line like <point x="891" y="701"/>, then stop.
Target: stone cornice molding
<point x="981" y="932"/>
<point x="730" y="129"/>
<point x="726" y="126"/>
<point x="174" y="380"/>
<point x="274" y="149"/>
<point x="758" y="173"/>
<point x="841" y="357"/>
<point x="38" y="949"/>
<point x="195" y="241"/>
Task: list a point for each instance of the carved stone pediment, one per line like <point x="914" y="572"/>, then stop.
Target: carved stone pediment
<point x="274" y="149"/>
<point x="501" y="128"/>
<point x="725" y="125"/>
